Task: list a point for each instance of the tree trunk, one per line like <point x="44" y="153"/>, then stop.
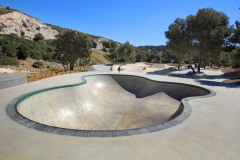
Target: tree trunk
<point x="199" y="61"/>
<point x="71" y="66"/>
<point x="179" y="66"/>
<point x="64" y="66"/>
<point x="199" y="66"/>
<point x="192" y="68"/>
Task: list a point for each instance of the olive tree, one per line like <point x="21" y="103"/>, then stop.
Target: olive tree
<point x="72" y="45"/>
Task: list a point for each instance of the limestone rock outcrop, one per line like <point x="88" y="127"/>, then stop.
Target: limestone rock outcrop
<point x="24" y="26"/>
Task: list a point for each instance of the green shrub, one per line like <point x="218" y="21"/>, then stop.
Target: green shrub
<point x="38" y="37"/>
<point x="9" y="50"/>
<point x="24" y="24"/>
<point x="235" y="58"/>
<point x="35" y="54"/>
<point x="8" y="61"/>
<point x="94" y="44"/>
<point x="51" y="69"/>
<point x="23" y="51"/>
<point x="22" y="33"/>
<point x="104" y="49"/>
<point x="47" y="56"/>
<point x="37" y="64"/>
<point x="4" y="11"/>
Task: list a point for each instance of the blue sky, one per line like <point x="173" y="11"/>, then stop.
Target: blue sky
<point x="141" y="22"/>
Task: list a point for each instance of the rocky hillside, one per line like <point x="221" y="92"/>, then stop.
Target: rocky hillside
<point x="12" y="52"/>
<point x="24" y="26"/>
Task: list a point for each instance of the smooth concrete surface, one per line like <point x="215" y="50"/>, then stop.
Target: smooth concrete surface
<point x="13" y="79"/>
<point x="4" y="76"/>
<point x="211" y="132"/>
<point x="140" y="67"/>
<point x="103" y="104"/>
<point x="12" y="82"/>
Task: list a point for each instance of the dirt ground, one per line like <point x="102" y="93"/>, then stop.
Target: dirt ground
<point x="26" y="66"/>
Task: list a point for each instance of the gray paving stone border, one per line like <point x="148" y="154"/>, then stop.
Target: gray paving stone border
<point x="185" y="112"/>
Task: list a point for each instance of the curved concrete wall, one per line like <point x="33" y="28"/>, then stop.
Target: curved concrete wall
<point x="143" y="87"/>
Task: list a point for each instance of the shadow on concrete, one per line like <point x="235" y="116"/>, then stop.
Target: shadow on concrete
<point x="217" y="84"/>
<point x="162" y="72"/>
<point x="229" y="75"/>
<point x="184" y="75"/>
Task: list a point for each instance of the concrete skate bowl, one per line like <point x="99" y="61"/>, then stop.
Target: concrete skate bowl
<point x="106" y="106"/>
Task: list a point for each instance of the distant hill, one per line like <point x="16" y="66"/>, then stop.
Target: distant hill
<point x="153" y="53"/>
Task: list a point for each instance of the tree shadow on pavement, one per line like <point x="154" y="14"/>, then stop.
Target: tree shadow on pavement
<point x="217" y="84"/>
<point x="228" y="75"/>
<point x="162" y="72"/>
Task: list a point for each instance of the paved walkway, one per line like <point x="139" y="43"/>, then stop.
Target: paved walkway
<point x="210" y="133"/>
<point x="4" y="76"/>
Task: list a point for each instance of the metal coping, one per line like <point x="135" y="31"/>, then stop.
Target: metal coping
<point x="13" y="113"/>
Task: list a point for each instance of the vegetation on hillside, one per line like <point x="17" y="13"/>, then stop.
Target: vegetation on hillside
<point x="110" y="46"/>
<point x="6" y="10"/>
<point x="18" y="47"/>
<point x="99" y="57"/>
<point x="153" y="54"/>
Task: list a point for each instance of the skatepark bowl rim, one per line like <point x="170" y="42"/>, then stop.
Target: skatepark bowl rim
<point x="183" y="113"/>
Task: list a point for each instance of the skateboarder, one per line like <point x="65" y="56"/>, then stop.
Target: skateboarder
<point x="119" y="69"/>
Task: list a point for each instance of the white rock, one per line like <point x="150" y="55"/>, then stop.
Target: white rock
<point x="6" y="70"/>
<point x="14" y="23"/>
